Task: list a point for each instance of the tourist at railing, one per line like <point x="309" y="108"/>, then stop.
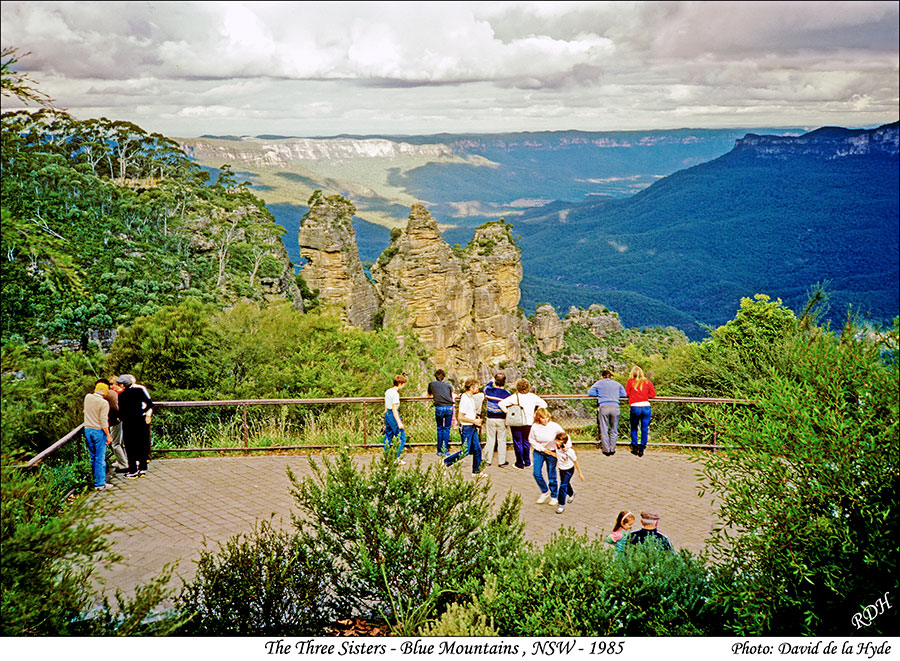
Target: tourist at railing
<point x="120" y="459"/>
<point x="649" y="523"/>
<point x="495" y="420"/>
<point x="442" y="393"/>
<point x="96" y="430"/>
<point x="528" y="401"/>
<point x="469" y="424"/>
<point x="566" y="464"/>
<point x="135" y="410"/>
<point x="542" y="439"/>
<point x="608" y="392"/>
<point x="640" y="391"/>
<point x="393" y="424"/>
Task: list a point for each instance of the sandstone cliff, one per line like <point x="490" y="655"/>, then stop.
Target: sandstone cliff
<point x="597" y="319"/>
<point x="548" y="330"/>
<point x="462" y="305"/>
<point x="328" y="244"/>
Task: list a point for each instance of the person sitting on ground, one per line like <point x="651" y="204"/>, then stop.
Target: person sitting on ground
<point x="621" y="531"/>
<point x="649" y="521"/>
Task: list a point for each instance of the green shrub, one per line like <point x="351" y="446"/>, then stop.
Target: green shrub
<point x="809" y="491"/>
<point x="395" y="538"/>
<point x="262" y="583"/>
<point x="575" y="586"/>
<point x="50" y="548"/>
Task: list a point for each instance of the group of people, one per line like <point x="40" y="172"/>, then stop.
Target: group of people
<point x="525" y="415"/>
<point x="622" y="533"/>
<point x="117" y="414"/>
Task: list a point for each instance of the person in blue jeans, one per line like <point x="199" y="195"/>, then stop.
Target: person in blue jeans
<point x="393" y="425"/>
<point x="96" y="430"/>
<point x="640" y="391"/>
<point x="469" y="424"/>
<point x="442" y="394"/>
<point x="542" y="438"/>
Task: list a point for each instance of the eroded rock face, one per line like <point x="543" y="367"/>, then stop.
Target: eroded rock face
<point x="547" y="329"/>
<point x="462" y="305"/>
<point x="597" y="319"/>
<point x="328" y="243"/>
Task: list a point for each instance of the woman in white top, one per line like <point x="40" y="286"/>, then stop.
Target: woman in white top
<point x="543" y="441"/>
<point x="529" y="402"/>
<point x="393" y="425"/>
<point x="469" y="423"/>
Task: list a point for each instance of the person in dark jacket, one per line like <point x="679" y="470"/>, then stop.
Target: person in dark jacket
<point x="135" y="411"/>
<point x="648" y="532"/>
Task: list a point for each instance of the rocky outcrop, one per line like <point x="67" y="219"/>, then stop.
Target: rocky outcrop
<point x="547" y="329"/>
<point x="597" y="319"/>
<point x="462" y="305"/>
<point x="328" y="244"/>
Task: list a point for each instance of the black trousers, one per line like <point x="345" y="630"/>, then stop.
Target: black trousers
<point x="136" y="436"/>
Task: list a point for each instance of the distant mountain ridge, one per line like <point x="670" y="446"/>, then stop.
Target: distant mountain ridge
<point x="828" y="142"/>
<point x="775" y="215"/>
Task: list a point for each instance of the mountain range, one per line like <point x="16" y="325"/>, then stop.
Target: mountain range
<point x="665" y="227"/>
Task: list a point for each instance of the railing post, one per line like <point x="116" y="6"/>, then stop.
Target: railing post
<point x="715" y="432"/>
<point x="246" y="428"/>
<point x="364" y="424"/>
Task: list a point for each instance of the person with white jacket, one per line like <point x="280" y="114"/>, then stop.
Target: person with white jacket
<point x="529" y="402"/>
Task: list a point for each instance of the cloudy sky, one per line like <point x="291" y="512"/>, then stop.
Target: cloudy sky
<point x="324" y="68"/>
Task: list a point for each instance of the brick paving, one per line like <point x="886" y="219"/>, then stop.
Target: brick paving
<point x="168" y="514"/>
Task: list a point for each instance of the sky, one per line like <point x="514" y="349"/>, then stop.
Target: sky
<point x="326" y="68"/>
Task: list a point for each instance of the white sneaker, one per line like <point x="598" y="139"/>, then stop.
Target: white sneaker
<point x="543" y="498"/>
<point x="553" y="501"/>
<point x="570" y="498"/>
<point x="560" y="509"/>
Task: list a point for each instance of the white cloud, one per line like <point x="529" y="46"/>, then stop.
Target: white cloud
<point x="319" y="68"/>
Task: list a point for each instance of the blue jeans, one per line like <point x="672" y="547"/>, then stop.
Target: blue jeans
<point x="565" y="486"/>
<point x="96" y="443"/>
<point x="471" y="445"/>
<point x="540" y="459"/>
<point x="443" y="416"/>
<point x="391" y="431"/>
<point x="640" y="415"/>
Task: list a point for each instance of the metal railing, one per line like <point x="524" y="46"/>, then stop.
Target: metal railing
<point x="363" y="401"/>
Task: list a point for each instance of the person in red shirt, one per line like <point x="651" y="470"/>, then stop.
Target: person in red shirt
<point x="640" y="391"/>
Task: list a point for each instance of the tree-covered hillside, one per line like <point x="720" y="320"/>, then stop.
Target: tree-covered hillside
<point x="700" y="239"/>
<point x="103" y="222"/>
